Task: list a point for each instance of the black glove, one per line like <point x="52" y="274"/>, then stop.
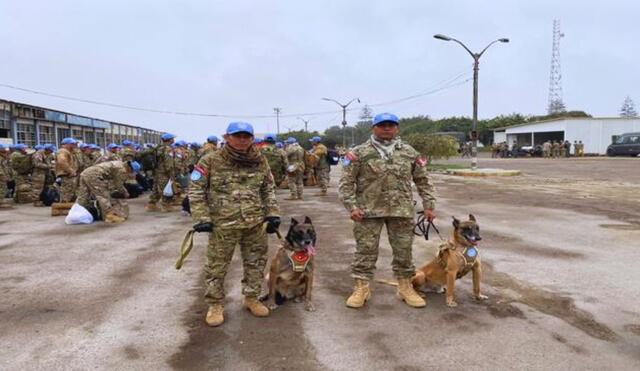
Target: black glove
<point x="273" y="223"/>
<point x="117" y="194"/>
<point x="203" y="227"/>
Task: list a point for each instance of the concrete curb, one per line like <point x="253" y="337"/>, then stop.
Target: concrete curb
<point x="484" y="172"/>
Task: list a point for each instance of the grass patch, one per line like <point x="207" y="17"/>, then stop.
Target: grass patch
<point x="432" y="167"/>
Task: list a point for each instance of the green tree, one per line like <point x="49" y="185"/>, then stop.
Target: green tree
<point x="433" y="146"/>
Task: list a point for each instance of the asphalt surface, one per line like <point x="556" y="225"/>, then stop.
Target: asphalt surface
<point x="560" y="247"/>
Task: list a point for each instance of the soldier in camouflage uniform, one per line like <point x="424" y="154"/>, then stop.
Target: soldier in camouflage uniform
<point x="104" y="182"/>
<point x="376" y="189"/>
<point x="128" y="151"/>
<point x="195" y="150"/>
<point x="295" y="168"/>
<point x="210" y="146"/>
<point x="4" y="176"/>
<point x="232" y="195"/>
<point x="323" y="168"/>
<point x="111" y="154"/>
<point x="42" y="168"/>
<point x="21" y="164"/>
<point x="275" y="158"/>
<point x="66" y="169"/>
<point x="164" y="171"/>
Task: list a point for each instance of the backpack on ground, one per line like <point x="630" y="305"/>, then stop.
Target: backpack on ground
<point x="333" y="157"/>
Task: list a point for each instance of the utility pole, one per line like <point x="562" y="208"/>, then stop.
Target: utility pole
<point x="556" y="104"/>
<point x="277" y="111"/>
<point x="476" y="61"/>
<point x="344" y="118"/>
<point x="306" y="123"/>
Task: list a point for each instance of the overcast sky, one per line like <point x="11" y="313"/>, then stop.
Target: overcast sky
<point x="246" y="57"/>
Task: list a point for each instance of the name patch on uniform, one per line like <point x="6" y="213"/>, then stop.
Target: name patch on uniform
<point x="421" y="161"/>
<point x="348" y="159"/>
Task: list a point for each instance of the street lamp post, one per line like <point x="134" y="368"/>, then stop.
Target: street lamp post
<point x="277" y="111"/>
<point x="306" y="123"/>
<point x="344" y="118"/>
<point x="476" y="61"/>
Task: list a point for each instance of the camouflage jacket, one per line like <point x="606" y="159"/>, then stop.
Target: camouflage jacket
<point x="114" y="172"/>
<point x="5" y="173"/>
<point x="165" y="161"/>
<point x="295" y="156"/>
<point x="320" y="150"/>
<point x="382" y="188"/>
<point x="21" y="163"/>
<point x="128" y="153"/>
<point x="206" y="149"/>
<point x="231" y="196"/>
<point x="66" y="163"/>
<point x="108" y="156"/>
<point x="42" y="162"/>
<point x="275" y="158"/>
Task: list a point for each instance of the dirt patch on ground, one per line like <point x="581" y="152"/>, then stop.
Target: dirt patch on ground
<point x="633" y="328"/>
<point x="520" y="247"/>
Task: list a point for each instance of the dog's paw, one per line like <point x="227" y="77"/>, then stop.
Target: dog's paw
<point x="271" y="305"/>
<point x="452" y="303"/>
<point x="309" y="307"/>
<point x="482" y="297"/>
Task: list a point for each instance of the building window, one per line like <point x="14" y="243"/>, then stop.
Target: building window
<point x="47" y="135"/>
<point x="5" y="120"/>
<point x="77" y="134"/>
<point x="63" y="133"/>
<point x="26" y="134"/>
<point x="100" y="138"/>
<point x="89" y="136"/>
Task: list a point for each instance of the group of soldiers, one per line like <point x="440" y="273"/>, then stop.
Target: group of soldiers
<point x="232" y="196"/>
<point x="558" y="148"/>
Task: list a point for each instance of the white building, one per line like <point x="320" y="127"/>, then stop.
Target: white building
<point x="595" y="133"/>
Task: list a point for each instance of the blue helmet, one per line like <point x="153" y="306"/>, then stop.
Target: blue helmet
<point x="50" y="147"/>
<point x="20" y="146"/>
<point x="83" y="145"/>
<point x="279" y="144"/>
<point x="291" y="140"/>
<point x="257" y="141"/>
<point x="270" y="137"/>
<point x="315" y="139"/>
<point x="384" y="117"/>
<point x="212" y="138"/>
<point x="149" y="145"/>
<point x="112" y="146"/>
<point x="196" y="144"/>
<point x="69" y="141"/>
<point x="181" y="143"/>
<point x="239" y="127"/>
<point x="135" y="166"/>
<point x="127" y="142"/>
<point x="38" y="147"/>
<point x="2" y="147"/>
<point x="167" y="136"/>
<point x="95" y="146"/>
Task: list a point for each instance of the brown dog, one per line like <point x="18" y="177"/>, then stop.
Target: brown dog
<point x="291" y="271"/>
<point x="456" y="258"/>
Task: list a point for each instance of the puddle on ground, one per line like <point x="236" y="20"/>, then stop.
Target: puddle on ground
<point x="621" y="227"/>
<point x="553" y="304"/>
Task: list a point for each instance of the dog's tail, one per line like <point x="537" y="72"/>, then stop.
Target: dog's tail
<point x="387" y="282"/>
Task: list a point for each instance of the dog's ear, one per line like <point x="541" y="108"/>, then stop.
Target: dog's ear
<point x="456" y="222"/>
<point x="294" y="222"/>
<point x="307" y="220"/>
<point x="472" y="218"/>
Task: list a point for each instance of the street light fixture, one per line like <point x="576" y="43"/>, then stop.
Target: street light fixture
<point x="476" y="60"/>
<point x="306" y="123"/>
<point x="344" y="117"/>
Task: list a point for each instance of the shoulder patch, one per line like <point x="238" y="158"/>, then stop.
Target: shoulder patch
<point x="197" y="173"/>
<point x="348" y="159"/>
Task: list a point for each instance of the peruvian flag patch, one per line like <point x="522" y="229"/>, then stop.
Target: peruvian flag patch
<point x="421" y="161"/>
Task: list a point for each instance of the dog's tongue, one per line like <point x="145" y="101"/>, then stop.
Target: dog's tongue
<point x="311" y="249"/>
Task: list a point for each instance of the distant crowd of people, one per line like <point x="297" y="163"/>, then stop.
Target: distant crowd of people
<point x="548" y="149"/>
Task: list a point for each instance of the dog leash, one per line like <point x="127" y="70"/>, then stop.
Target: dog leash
<point x="424" y="225"/>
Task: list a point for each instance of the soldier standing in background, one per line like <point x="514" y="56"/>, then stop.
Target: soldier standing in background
<point x="210" y="146"/>
<point x="546" y="149"/>
<point x="67" y="170"/>
<point x="580" y="148"/>
<point x="111" y="154"/>
<point x="165" y="169"/>
<point x="128" y="151"/>
<point x="21" y="165"/>
<point x="322" y="169"/>
<point x="4" y="176"/>
<point x="376" y="189"/>
<point x="42" y="168"/>
<point x="275" y="158"/>
<point x="232" y="195"/>
<point x="295" y="168"/>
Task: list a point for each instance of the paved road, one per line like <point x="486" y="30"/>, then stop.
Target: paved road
<point x="561" y="275"/>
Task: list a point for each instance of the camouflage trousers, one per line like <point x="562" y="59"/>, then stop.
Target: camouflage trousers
<point x="68" y="188"/>
<point x="367" y="234"/>
<point x="22" y="193"/>
<point x="323" y="177"/>
<point x="39" y="180"/>
<point x="98" y="188"/>
<point x="296" y="184"/>
<point x="3" y="189"/>
<point x="160" y="181"/>
<point x="222" y="243"/>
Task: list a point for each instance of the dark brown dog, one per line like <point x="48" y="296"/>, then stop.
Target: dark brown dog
<point x="291" y="271"/>
<point x="456" y="258"/>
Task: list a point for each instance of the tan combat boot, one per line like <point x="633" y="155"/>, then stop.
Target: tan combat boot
<point x="256" y="307"/>
<point x="152" y="207"/>
<point x="321" y="193"/>
<point x="215" y="316"/>
<point x="113" y="218"/>
<point x="166" y="208"/>
<point x="408" y="294"/>
<point x="361" y="293"/>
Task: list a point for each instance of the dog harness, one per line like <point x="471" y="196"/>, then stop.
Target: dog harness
<point x="299" y="260"/>
<point x="469" y="255"/>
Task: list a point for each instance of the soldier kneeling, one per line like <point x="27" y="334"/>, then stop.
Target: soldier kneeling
<point x="104" y="182"/>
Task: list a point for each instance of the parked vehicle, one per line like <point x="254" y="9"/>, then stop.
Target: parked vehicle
<point x="627" y="144"/>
